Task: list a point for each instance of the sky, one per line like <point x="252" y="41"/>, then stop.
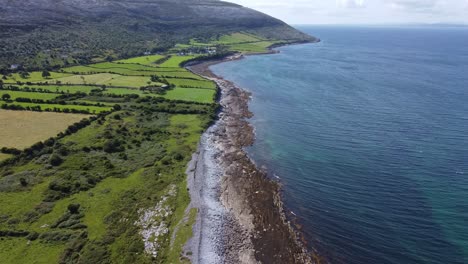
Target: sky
<point x="363" y="11"/>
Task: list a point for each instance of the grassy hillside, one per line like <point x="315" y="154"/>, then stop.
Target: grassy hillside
<point x="84" y="196"/>
<point x="50" y="33"/>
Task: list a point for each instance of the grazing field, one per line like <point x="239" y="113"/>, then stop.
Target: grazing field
<point x="59" y="88"/>
<point x="195" y="95"/>
<point x="71" y="193"/>
<point x="123" y="71"/>
<point x="109" y="80"/>
<point x="21" y="129"/>
<point x="61" y="107"/>
<point x="131" y="66"/>
<point x="144" y="60"/>
<point x="188" y="83"/>
<point x="175" y="61"/>
<point x="261" y="46"/>
<point x="35" y="77"/>
<point x="29" y="95"/>
<point x="180" y="74"/>
<point x="238" y="38"/>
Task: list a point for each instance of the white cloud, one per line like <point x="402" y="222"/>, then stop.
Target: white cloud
<point x="350" y="3"/>
<point x="363" y="11"/>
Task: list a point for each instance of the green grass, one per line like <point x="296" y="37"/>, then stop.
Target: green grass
<point x="123" y="71"/>
<point x="175" y="61"/>
<point x="173" y="72"/>
<point x="252" y="47"/>
<point x="124" y="91"/>
<point x="145" y="60"/>
<point x="45" y="107"/>
<point x="61" y="88"/>
<point x="238" y="38"/>
<point x="35" y="77"/>
<point x="16" y="204"/>
<point x="87" y="90"/>
<point x="30" y="95"/>
<point x="191" y="125"/>
<point x="184" y="233"/>
<point x="130" y="66"/>
<point x="96" y="203"/>
<point x="20" y="251"/>
<point x="108" y="79"/>
<point x="180" y="74"/>
<point x="193" y="83"/>
<point x="189" y="94"/>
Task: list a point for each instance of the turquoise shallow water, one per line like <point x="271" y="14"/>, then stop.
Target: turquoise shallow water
<point x="368" y="132"/>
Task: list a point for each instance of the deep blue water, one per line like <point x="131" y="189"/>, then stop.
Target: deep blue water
<point x="368" y="131"/>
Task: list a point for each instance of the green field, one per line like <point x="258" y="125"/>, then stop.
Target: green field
<point x="59" y="88"/>
<point x="113" y="169"/>
<point x="144" y="60"/>
<point x="238" y="38"/>
<point x="50" y="107"/>
<point x="29" y="95"/>
<point x="179" y="73"/>
<point x="241" y="42"/>
<point x="175" y="61"/>
<point x="193" y="83"/>
<point x="35" y="77"/>
<point x="195" y="95"/>
<point x="261" y="46"/>
<point x="131" y="67"/>
<point x="109" y="80"/>
<point x="123" y="71"/>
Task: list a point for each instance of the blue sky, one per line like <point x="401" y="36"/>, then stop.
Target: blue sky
<point x="363" y="11"/>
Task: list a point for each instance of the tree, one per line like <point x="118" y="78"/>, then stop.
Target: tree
<point x="55" y="160"/>
<point x="73" y="208"/>
<point x="45" y="74"/>
<point x="24" y="74"/>
<point x="23" y="182"/>
<point x="6" y="97"/>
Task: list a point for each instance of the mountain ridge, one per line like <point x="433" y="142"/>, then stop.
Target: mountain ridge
<point x="75" y="31"/>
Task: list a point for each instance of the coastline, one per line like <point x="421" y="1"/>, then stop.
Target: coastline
<point x="236" y="200"/>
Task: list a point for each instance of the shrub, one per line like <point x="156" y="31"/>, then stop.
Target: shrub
<point x="73" y="208"/>
<point x="55" y="160"/>
<point x="113" y="145"/>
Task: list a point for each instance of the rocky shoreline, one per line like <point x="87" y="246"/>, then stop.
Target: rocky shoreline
<point x="249" y="224"/>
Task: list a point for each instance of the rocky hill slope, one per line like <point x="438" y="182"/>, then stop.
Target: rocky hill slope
<point x="46" y="33"/>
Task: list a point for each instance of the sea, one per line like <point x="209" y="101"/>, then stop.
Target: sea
<point x="368" y="133"/>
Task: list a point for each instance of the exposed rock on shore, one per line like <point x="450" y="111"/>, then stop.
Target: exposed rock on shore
<point x="257" y="230"/>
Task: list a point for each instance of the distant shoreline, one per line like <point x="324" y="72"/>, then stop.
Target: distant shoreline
<point x="259" y="228"/>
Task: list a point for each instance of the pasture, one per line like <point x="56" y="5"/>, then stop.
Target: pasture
<point x="144" y="60"/>
<point x="21" y="129"/>
<point x="58" y="88"/>
<point x="194" y="95"/>
<point x="238" y="38"/>
<point x="189" y="83"/>
<point x="175" y="61"/>
<point x="253" y="47"/>
<point x="35" y="77"/>
<point x="29" y="95"/>
<point x="109" y="80"/>
<point x="53" y="107"/>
